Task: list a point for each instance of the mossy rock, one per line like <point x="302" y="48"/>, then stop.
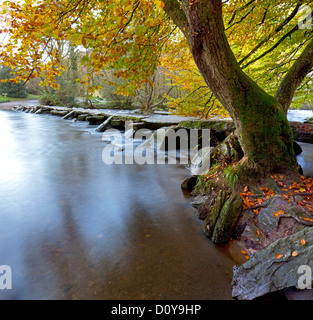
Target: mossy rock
<point x="309" y="120"/>
<point x="60" y="113"/>
<point x="117" y="123"/>
<point x="82" y="117"/>
<point x="95" y="119"/>
<point x="202" y="187"/>
<point x="217" y="125"/>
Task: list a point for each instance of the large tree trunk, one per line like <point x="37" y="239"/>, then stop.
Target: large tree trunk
<point x="264" y="131"/>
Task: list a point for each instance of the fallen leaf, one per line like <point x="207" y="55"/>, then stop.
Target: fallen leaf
<point x="294" y="254"/>
<point x="279" y="256"/>
<point x="303" y="242"/>
<point x="278" y="213"/>
<point x="243" y="252"/>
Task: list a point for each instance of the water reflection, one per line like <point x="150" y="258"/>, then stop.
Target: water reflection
<point x="74" y="228"/>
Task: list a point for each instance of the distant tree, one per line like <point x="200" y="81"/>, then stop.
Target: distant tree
<point x="13" y="90"/>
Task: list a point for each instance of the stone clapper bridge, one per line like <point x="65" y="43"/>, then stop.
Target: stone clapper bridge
<point x="262" y="273"/>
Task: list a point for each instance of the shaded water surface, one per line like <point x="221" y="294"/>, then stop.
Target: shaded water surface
<point x="72" y="227"/>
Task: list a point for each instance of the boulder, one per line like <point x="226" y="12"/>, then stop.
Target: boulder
<point x="262" y="230"/>
<point x="117" y="123"/>
<point x="302" y="132"/>
<point x="95" y="120"/>
<point x="189" y="183"/>
<point x="60" y="113"/>
<point x="275" y="267"/>
<point x="82" y="117"/>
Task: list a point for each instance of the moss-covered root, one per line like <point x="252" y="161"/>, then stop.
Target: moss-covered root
<point x="228" y="218"/>
<point x="223" y="216"/>
<point x="214" y="213"/>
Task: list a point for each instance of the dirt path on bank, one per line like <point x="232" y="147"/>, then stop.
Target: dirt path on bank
<point x="10" y="105"/>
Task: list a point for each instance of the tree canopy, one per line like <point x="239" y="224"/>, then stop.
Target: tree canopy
<point x="134" y="37"/>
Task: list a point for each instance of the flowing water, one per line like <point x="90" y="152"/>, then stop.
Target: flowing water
<point x="72" y="227"/>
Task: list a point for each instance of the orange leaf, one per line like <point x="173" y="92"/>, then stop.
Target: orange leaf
<point x="303" y="242"/>
<point x="279" y="256"/>
<point x="243" y="252"/>
<point x="294" y="254"/>
<point x="256" y="211"/>
<point x="278" y="213"/>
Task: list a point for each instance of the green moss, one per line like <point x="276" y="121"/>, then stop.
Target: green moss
<point x="217" y="125"/>
<point x="265" y="134"/>
<point x="202" y="186"/>
<point x="227" y="219"/>
<point x="214" y="213"/>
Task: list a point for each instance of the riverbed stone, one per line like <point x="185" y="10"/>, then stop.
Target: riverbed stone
<point x="189" y="183"/>
<point x="82" y="117"/>
<point x="303" y="132"/>
<point x="60" y="113"/>
<point x="116" y="123"/>
<point x="275" y="267"/>
<point x="95" y="120"/>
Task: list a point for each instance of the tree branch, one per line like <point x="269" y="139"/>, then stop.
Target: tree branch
<point x="277" y="30"/>
<point x="294" y="77"/>
<point x="175" y="12"/>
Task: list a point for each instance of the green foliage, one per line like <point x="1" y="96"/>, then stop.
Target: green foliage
<point x="126" y="104"/>
<point x="57" y="98"/>
<point x="203" y="185"/>
<point x="13" y="90"/>
<point x="231" y="176"/>
<point x="49" y="99"/>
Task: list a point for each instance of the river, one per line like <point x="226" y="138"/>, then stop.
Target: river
<point x="75" y="228"/>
